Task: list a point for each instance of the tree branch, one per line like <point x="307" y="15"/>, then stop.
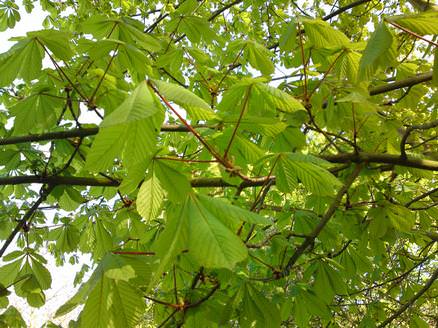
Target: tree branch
<point x="324" y="220"/>
<point x="345" y="8"/>
<point x="412" y="300"/>
<point x="408" y="131"/>
<point x="83" y="132"/>
<point x="420" y="78"/>
<point x="27" y="216"/>
<point x="220" y="182"/>
<point x="362" y="157"/>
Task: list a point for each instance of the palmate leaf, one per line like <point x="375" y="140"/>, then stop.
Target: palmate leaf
<point x="212" y="244"/>
<point x="129" y="132"/>
<point x="257" y="311"/>
<point x="425" y="23"/>
<point x="191" y="227"/>
<point x="24" y="59"/>
<point x="36" y="113"/>
<point x="293" y="168"/>
<point x="124" y="29"/>
<point x="110" y="300"/>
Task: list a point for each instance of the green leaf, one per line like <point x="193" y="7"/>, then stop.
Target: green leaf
<point x="197" y="108"/>
<point x="293" y="168"/>
<point x="129" y="132"/>
<point x="288" y="37"/>
<point x="227" y="212"/>
<point x="104" y="241"/>
<point x="257" y="311"/>
<point x="278" y="99"/>
<point x="322" y="35"/>
<point x="258" y="57"/>
<point x="211" y="243"/>
<point x="196" y="28"/>
<point x="400" y="217"/>
<point x="378" y="53"/>
<point x="36" y="113"/>
<point x="171" y="242"/>
<point x="423" y="23"/>
<point x="23" y="60"/>
<point x="150" y="197"/>
<point x="59" y="43"/>
<point x="114" y="304"/>
<point x="41" y="274"/>
<point x="9" y="272"/>
<point x="173" y="181"/>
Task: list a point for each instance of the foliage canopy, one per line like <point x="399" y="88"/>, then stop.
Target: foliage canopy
<point x="226" y="164"/>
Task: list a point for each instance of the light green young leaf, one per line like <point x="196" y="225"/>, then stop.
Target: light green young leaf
<point x="259" y="57"/>
<point x="424" y="23"/>
<point x="323" y="35"/>
<point x="173" y="181"/>
<point x="128" y="132"/>
<point x="197" y="108"/>
<point x="150" y="197"/>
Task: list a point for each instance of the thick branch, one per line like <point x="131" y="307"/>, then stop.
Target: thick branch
<point x="84" y="132"/>
<point x="409" y="82"/>
<point x="219" y="182"/>
<point x="412" y="300"/>
<point x="360" y="157"/>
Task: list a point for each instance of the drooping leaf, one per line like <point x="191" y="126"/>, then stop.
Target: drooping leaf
<point x="423" y="23"/>
<point x="378" y="53"/>
<point x="257" y="311"/>
<point x="150" y="197"/>
<point x="128" y="132"/>
<point x="293" y="168"/>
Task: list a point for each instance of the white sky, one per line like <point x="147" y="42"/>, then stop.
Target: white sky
<point x="62" y="277"/>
